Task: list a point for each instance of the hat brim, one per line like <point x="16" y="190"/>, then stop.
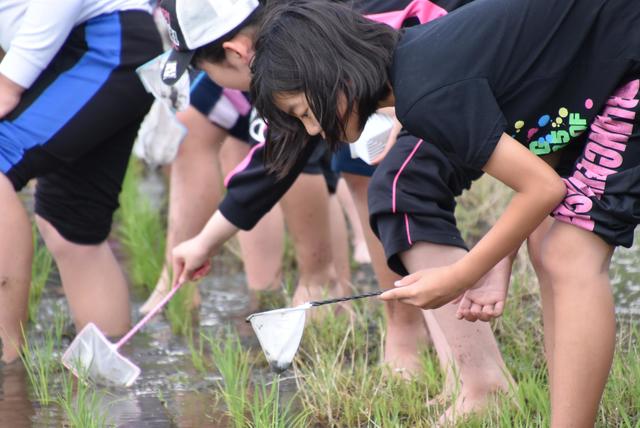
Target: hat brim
<point x="177" y="63"/>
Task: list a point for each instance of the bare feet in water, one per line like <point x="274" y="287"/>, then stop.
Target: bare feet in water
<point x="161" y="290"/>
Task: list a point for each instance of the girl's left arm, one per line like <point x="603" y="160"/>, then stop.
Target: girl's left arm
<point x="538" y="190"/>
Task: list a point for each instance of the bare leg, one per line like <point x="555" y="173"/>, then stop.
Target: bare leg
<point x="16" y="253"/>
<point x="306" y="208"/>
<point x="577" y="264"/>
<point x="406" y="329"/>
<point x="470" y="350"/>
<point x="195" y="189"/>
<point x="263" y="246"/>
<point x="92" y="280"/>
<point x="339" y="241"/>
<point x="534" y="246"/>
<point x="360" y="250"/>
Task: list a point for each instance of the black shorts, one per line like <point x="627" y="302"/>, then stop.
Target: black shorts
<point x="74" y="128"/>
<point x="412" y="198"/>
<point x="603" y="189"/>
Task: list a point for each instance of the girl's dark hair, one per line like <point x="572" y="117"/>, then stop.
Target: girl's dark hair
<point x="325" y="50"/>
<point x="214" y="52"/>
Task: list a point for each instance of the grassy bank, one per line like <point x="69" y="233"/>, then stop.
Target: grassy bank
<point x="340" y="381"/>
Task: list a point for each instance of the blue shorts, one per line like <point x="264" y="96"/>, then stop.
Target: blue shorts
<point x="343" y="162"/>
<point x="74" y="128"/>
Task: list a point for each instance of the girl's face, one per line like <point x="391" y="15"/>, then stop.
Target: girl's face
<point x="296" y="105"/>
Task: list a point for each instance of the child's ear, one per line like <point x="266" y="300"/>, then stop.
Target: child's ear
<point x="239" y="48"/>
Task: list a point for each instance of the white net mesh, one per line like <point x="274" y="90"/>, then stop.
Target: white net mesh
<point x="279" y="333"/>
<point x="92" y="355"/>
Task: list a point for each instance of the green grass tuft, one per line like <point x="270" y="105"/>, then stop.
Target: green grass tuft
<point x="41" y="365"/>
<point x="40" y="271"/>
<point x="84" y="405"/>
<point x="141" y="230"/>
<point x="232" y="361"/>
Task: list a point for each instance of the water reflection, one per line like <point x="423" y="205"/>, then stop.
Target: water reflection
<point x="16" y="409"/>
<point x="625" y="277"/>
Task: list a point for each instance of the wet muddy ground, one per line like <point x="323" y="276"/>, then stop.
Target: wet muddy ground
<point x="170" y="392"/>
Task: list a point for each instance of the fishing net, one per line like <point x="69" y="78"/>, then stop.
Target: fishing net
<point x="279" y="333"/>
<point x="92" y="355"/>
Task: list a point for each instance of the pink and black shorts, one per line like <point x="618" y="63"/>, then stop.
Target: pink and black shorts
<point x="603" y="190"/>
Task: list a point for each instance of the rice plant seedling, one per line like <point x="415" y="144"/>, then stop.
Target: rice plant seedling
<point x="232" y="361"/>
<point x="40" y="271"/>
<point x="179" y="310"/>
<point x="267" y="411"/>
<point x="84" y="405"/>
<point x="141" y="231"/>
<point x="59" y="321"/>
<point x="41" y="365"/>
<point x="196" y="351"/>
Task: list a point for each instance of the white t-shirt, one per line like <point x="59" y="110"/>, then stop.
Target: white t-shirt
<point x="32" y="31"/>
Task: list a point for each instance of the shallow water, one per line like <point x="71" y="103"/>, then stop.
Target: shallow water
<point x="169" y="391"/>
<point x="625" y="278"/>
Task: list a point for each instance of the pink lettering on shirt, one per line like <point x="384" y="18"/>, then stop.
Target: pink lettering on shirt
<point x="603" y="155"/>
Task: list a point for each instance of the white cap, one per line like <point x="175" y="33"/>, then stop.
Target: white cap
<point x="195" y="23"/>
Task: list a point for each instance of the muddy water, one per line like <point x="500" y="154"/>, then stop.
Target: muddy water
<point x="625" y="277"/>
<point x="170" y="392"/>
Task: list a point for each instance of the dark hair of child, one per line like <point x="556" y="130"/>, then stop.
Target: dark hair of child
<point x="330" y="53"/>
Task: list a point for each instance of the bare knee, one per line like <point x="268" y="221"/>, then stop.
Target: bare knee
<point x="570" y="258"/>
<point x="58" y="246"/>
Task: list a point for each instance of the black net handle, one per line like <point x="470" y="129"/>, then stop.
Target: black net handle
<point x="344" y="299"/>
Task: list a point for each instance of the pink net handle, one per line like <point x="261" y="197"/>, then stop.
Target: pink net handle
<point x="147" y="317"/>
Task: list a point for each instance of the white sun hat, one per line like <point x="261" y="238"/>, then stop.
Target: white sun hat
<point x="195" y="23"/>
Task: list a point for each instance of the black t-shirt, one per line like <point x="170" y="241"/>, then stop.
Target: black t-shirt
<point x="251" y="190"/>
<point x="539" y="70"/>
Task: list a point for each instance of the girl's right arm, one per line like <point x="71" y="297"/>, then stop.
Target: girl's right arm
<point x="251" y="192"/>
<point x="538" y="190"/>
<point x="191" y="258"/>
